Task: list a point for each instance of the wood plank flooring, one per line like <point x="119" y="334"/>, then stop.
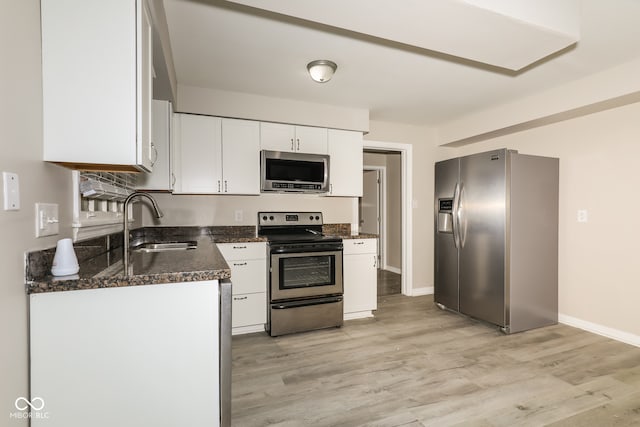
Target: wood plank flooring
<point x="415" y="365"/>
<point x="389" y="283"/>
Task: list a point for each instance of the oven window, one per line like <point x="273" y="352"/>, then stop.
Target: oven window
<point x="294" y="170"/>
<point x="307" y="271"/>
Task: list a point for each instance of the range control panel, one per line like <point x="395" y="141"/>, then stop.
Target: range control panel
<point x="289" y="218"/>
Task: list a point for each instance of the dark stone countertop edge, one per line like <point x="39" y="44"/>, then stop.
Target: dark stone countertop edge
<point x="61" y="284"/>
<point x="360" y="236"/>
<point x="96" y="272"/>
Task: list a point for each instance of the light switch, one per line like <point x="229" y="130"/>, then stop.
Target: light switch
<point x="46" y="219"/>
<point x="10" y="191"/>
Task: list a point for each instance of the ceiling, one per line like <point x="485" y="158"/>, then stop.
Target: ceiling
<point x="233" y="47"/>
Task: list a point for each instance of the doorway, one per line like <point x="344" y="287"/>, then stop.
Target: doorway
<point x="406" y="202"/>
<point x="372" y="205"/>
<point x="380" y="213"/>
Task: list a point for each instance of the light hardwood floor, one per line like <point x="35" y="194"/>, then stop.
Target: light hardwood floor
<point x="415" y="365"/>
<point x="389" y="283"/>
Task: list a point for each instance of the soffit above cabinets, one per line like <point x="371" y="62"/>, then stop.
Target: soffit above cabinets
<point x="508" y="34"/>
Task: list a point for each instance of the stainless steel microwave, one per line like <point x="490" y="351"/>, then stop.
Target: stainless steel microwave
<point x="282" y="171"/>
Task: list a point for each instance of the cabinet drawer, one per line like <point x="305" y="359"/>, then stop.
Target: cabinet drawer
<point x="242" y="251"/>
<point x="249" y="309"/>
<point x="360" y="246"/>
<point x="248" y="276"/>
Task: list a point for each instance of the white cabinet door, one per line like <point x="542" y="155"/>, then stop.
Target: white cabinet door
<point x="311" y="140"/>
<point x="248" y="276"/>
<point x="283" y="137"/>
<point x="196" y="154"/>
<point x="242" y="251"/>
<point x="360" y="276"/>
<point x="248" y="310"/>
<point x="96" y="83"/>
<point x="144" y="352"/>
<point x="248" y="263"/>
<point x="144" y="36"/>
<point x="161" y="176"/>
<point x="240" y="156"/>
<point x="277" y="137"/>
<point x="345" y="167"/>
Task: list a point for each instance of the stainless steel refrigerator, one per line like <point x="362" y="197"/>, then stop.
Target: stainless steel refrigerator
<point x="496" y="238"/>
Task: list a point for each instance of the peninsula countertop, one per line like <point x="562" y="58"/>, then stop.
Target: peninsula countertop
<point x="105" y="268"/>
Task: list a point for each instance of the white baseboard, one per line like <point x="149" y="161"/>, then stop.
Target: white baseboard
<point x="426" y="290"/>
<point x="605" y="331"/>
<point x="239" y="330"/>
<point x="392" y="269"/>
<point x="358" y="315"/>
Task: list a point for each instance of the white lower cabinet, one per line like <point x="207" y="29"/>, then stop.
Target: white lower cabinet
<point x="360" y="263"/>
<point x="248" y="263"/>
<point x="129" y="356"/>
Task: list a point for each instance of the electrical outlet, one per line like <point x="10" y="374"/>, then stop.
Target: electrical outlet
<point x="238" y="215"/>
<point x="583" y="215"/>
<point x="46" y="219"/>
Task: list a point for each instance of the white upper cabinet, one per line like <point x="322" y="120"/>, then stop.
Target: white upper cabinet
<point x="197" y="142"/>
<point x="216" y="156"/>
<point x="345" y="164"/>
<point x="240" y="156"/>
<point x="161" y="178"/>
<point x="291" y="138"/>
<point x="97" y="83"/>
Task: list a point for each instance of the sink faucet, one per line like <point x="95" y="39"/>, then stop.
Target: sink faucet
<point x="158" y="214"/>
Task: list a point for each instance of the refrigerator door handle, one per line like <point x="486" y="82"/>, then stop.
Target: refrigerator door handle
<point x="454" y="216"/>
<point x="460" y="218"/>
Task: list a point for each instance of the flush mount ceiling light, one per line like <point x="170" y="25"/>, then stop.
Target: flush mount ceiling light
<point x="321" y="70"/>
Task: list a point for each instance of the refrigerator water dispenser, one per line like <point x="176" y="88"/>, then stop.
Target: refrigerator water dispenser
<point x="445" y="217"/>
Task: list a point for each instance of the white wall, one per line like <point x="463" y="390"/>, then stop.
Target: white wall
<point x="221" y="210"/>
<point x="599" y="172"/>
<point x="393" y="214"/>
<point x="425" y="154"/>
<point x="21" y="147"/>
<point x="257" y="107"/>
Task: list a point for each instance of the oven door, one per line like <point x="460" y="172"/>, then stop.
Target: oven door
<point x="306" y="274"/>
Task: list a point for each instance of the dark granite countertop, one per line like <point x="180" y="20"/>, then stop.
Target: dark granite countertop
<point x="101" y="266"/>
<point x="360" y="236"/>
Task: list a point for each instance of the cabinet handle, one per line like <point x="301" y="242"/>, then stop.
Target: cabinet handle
<point x="155" y="151"/>
<point x="239" y="298"/>
<point x="330" y="188"/>
<point x="358" y="243"/>
<point x="239" y="264"/>
<point x="375" y="261"/>
<point x="173" y="180"/>
<point x="239" y="247"/>
<point x="226" y="188"/>
<point x="219" y="189"/>
<point x="292" y="146"/>
<point x="298" y="143"/>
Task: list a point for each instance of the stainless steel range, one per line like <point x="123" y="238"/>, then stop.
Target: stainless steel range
<point x="305" y="273"/>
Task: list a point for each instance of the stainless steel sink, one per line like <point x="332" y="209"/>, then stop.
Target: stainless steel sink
<point x="165" y="246"/>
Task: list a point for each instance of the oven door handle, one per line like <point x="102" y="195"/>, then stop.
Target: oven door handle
<point x="306" y="303"/>
<point x="299" y="250"/>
